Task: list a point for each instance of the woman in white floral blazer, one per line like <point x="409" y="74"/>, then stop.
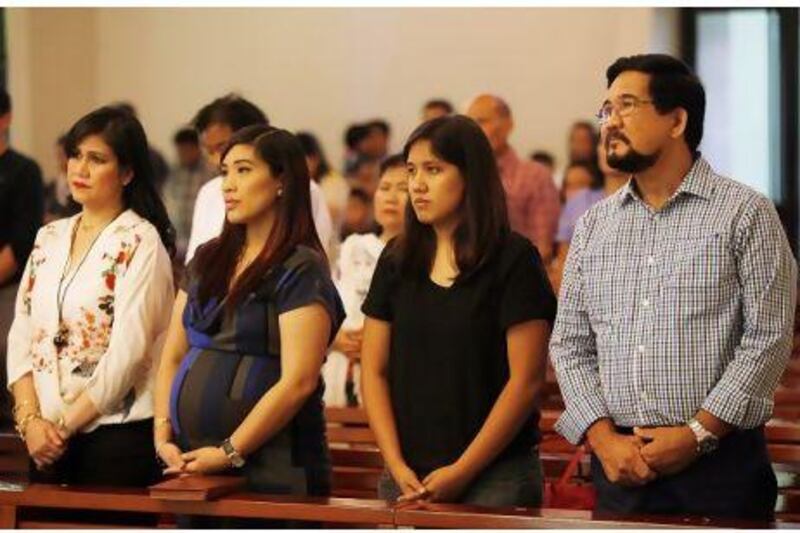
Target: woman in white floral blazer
<point x="92" y="308"/>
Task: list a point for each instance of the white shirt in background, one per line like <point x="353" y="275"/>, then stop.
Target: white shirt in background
<point x="358" y="258"/>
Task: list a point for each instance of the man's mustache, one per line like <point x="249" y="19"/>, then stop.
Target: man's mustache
<point x="616" y="136"/>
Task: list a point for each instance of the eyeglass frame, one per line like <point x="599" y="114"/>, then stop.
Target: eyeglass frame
<point x="633" y="101"/>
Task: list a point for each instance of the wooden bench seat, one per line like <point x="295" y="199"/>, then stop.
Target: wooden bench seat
<point x="427" y="515"/>
<point x="244" y="505"/>
<point x="333" y="511"/>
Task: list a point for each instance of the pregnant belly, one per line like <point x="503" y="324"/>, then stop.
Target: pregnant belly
<point x="214" y="391"/>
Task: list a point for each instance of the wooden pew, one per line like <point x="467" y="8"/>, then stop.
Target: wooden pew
<point x="343" y="511"/>
<point x="356" y="461"/>
<point x="783" y="442"/>
<point x="429" y="515"/>
<point x="336" y="511"/>
<point x="13" y="457"/>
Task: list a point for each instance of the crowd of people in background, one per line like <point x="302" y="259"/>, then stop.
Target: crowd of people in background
<point x="349" y="189"/>
<point x="268" y="283"/>
<point x="558" y="194"/>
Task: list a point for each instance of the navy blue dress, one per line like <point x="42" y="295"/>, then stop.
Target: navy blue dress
<point x="234" y="359"/>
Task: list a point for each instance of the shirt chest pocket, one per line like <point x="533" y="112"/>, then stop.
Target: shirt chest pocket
<point x="704" y="263"/>
<point x="605" y="277"/>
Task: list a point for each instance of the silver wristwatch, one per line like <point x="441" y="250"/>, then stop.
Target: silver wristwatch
<point x="236" y="459"/>
<point x="707" y="442"/>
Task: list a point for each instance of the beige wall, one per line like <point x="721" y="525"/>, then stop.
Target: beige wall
<point x="321" y="69"/>
<point x="52" y="69"/>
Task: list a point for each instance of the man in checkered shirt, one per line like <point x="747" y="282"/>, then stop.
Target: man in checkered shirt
<point x="675" y="316"/>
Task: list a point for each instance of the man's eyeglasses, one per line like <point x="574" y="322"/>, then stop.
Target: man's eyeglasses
<point x="624" y="106"/>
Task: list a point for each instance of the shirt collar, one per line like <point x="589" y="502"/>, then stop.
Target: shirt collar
<point x="697" y="182"/>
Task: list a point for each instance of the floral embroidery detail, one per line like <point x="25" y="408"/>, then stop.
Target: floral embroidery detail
<point x="90" y="325"/>
<point x="122" y="258"/>
<point x="40" y="363"/>
<point x="37" y="259"/>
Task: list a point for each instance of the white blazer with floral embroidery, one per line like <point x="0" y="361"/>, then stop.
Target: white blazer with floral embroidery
<point x="116" y="311"/>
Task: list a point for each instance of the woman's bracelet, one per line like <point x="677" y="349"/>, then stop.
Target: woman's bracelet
<point x="19" y="405"/>
<point x="22" y="425"/>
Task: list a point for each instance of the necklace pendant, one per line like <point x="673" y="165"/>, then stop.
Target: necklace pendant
<point x="60" y="340"/>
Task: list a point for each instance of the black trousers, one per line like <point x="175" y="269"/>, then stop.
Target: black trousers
<point x="115" y="455"/>
<point x="735" y="481"/>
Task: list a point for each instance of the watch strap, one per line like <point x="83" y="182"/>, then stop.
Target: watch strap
<point x="235" y="458"/>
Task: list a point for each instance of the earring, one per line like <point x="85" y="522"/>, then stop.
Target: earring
<point x="280" y="192"/>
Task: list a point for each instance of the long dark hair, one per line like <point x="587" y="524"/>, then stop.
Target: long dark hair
<point x="484" y="222"/>
<point x="294" y="224"/>
<point x="124" y="134"/>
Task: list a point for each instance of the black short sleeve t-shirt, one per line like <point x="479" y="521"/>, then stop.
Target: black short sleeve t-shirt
<point x="21" y="205"/>
<point x="448" y="359"/>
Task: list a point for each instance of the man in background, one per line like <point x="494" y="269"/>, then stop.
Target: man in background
<point x="21" y="215"/>
<point x="531" y="195"/>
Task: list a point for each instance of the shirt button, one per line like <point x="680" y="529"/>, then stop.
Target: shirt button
<point x="640" y="348"/>
<point x="651" y="260"/>
<point x="644" y="396"/>
<point x="645" y="302"/>
<point x="69" y="397"/>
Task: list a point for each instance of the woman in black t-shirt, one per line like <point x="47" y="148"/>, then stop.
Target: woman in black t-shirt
<point x="455" y="340"/>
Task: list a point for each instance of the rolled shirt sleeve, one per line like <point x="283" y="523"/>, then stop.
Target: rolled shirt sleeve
<point x="573" y="351"/>
<point x="767" y="274"/>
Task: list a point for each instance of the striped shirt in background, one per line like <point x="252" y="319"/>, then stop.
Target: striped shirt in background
<point x="531" y="199"/>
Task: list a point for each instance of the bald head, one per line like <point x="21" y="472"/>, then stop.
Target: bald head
<point x="493" y="115"/>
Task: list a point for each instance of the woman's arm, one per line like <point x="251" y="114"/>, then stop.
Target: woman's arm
<point x="375" y="386"/>
<point x="42" y="439"/>
<point x="527" y="358"/>
<point x="175" y="349"/>
<point x="43" y="442"/>
<point x="143" y="299"/>
<point x="304" y="336"/>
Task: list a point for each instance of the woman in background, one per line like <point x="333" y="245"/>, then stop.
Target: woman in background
<point x="358" y="257"/>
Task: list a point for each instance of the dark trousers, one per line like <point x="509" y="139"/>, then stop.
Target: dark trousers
<point x="116" y="455"/>
<point x="734" y="481"/>
<point x="514" y="481"/>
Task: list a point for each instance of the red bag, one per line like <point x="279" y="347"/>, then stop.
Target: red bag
<point x="565" y="495"/>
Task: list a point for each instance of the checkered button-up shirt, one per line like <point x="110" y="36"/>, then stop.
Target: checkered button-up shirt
<point x="665" y="312"/>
